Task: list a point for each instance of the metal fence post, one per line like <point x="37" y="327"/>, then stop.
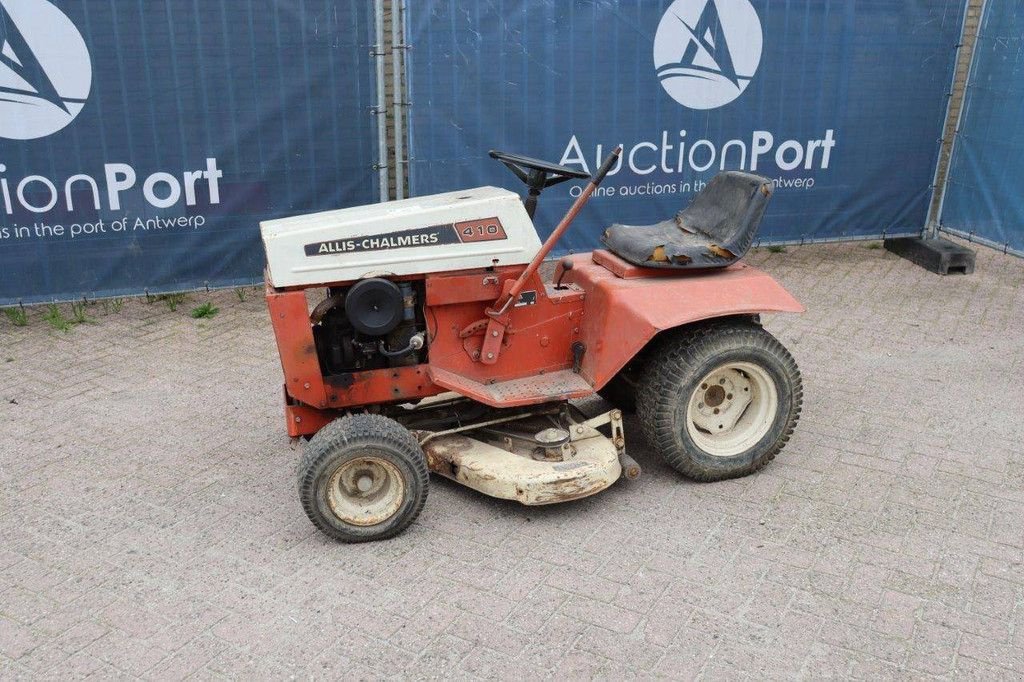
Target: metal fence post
<point x="381" y="110"/>
<point x="398" y="103"/>
<point x="957" y="100"/>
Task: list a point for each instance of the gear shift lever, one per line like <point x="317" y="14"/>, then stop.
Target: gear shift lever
<point x="567" y="265"/>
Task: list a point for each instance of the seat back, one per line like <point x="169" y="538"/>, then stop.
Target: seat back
<point x="729" y="210"/>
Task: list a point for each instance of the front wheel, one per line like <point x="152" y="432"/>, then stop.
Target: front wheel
<point x="719" y="401"/>
<point x="363" y="477"/>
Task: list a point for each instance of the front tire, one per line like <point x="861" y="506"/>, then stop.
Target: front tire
<point x="720" y="400"/>
<point x="363" y="477"/>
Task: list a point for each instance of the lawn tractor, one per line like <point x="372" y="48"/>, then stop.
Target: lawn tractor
<point x="419" y="336"/>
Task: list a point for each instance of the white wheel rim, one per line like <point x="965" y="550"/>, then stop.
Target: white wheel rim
<point x="365" y="491"/>
<point x="731" y="409"/>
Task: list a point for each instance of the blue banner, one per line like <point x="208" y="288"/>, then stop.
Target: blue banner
<point x="839" y="103"/>
<point x="141" y="142"/>
<point x="983" y="199"/>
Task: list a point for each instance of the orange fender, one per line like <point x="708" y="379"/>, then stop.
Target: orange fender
<point x="626" y="306"/>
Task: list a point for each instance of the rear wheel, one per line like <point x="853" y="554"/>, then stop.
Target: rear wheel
<point x="720" y="400"/>
<point x="363" y="477"/>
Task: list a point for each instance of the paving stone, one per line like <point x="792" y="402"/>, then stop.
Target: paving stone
<point x="150" y="527"/>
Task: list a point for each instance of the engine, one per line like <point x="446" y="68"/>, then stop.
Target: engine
<point x="372" y="324"/>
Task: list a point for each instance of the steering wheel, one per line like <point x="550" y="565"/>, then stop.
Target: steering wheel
<point x="517" y="163"/>
<point x="537" y="174"/>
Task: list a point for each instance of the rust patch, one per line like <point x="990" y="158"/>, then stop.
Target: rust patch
<point x="714" y="396"/>
<point x="568" y="490"/>
<point x="437" y="463"/>
<point x="442" y="453"/>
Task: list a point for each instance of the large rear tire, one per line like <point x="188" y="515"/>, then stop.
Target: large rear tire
<point x="363" y="477"/>
<point x="719" y="400"/>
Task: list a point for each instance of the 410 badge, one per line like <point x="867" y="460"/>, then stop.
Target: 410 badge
<point x="468" y="231"/>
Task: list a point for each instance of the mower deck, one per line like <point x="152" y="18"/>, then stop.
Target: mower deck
<point x="568" y="458"/>
<point x="499" y="473"/>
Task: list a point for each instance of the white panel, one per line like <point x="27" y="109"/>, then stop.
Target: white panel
<point x="338" y="246"/>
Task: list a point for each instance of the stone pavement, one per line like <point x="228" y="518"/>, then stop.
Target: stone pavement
<point x="150" y="526"/>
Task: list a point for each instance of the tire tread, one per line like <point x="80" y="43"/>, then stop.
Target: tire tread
<point x="670" y="363"/>
<point x="360" y="429"/>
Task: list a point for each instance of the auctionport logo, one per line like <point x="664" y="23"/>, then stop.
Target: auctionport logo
<point x="707" y="51"/>
<point x="45" y="70"/>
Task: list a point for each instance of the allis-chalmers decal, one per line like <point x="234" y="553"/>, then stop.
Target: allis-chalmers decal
<point x="484" y="230"/>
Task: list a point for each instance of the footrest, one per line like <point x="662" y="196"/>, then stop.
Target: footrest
<point x="940" y="256"/>
<point x="542" y="388"/>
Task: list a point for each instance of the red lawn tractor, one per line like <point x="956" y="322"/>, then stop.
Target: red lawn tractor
<point x="418" y="336"/>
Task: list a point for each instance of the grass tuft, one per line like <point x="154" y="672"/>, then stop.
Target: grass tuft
<point x="204" y="311"/>
<point x="172" y="300"/>
<point x="78" y="315"/>
<point x="55" y="318"/>
<point x="776" y="248"/>
<point x="17" y="316"/>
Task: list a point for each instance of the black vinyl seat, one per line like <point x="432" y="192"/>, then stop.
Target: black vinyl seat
<point x="714" y="231"/>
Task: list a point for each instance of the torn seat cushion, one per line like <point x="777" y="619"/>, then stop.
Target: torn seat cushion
<point x="714" y="231"/>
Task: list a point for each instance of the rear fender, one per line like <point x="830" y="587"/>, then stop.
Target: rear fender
<point x="623" y="313"/>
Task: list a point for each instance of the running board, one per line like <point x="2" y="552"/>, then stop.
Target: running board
<point x="561" y="385"/>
